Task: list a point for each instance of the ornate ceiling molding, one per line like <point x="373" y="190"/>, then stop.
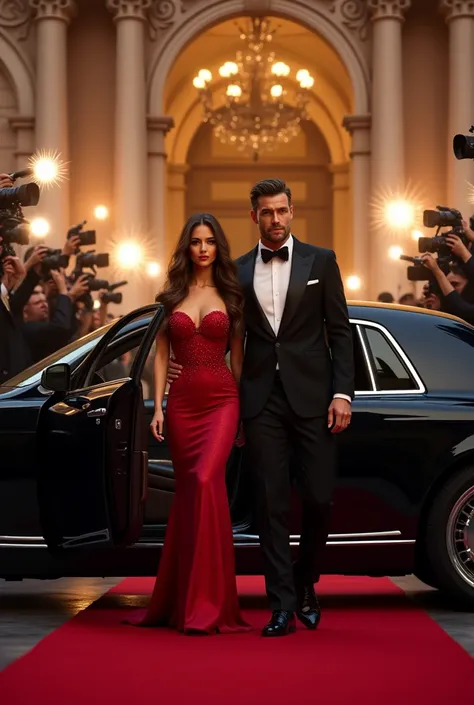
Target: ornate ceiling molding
<point x="353" y="14"/>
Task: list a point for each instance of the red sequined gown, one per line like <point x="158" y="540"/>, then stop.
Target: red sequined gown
<point x="195" y="590"/>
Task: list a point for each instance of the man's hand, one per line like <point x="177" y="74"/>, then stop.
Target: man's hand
<point x="60" y="281"/>
<point x="79" y="288"/>
<point x="14" y="270"/>
<point x="458" y="248"/>
<point x="71" y="245"/>
<point x="339" y="415"/>
<point x="174" y="370"/>
<point x="5" y="181"/>
<point x="35" y="259"/>
<point x="430" y="262"/>
<point x="467" y="231"/>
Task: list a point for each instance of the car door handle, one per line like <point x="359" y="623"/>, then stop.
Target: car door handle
<point x="95" y="413"/>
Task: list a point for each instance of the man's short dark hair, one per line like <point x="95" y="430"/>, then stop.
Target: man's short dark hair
<point x="268" y="187"/>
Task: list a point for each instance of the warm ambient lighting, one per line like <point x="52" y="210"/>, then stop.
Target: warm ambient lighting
<point x="101" y="212"/>
<point x="40" y="227"/>
<point x="153" y="269"/>
<point x="353" y="283"/>
<point x="395" y="251"/>
<point x="129" y="255"/>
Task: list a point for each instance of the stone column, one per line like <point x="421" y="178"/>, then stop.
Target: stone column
<point x="460" y="105"/>
<point x="25" y="140"/>
<point x="387" y="159"/>
<point x="341" y="218"/>
<point x="359" y="128"/>
<point x="158" y="127"/>
<point x="131" y="195"/>
<point x="176" y="205"/>
<point x="52" y="19"/>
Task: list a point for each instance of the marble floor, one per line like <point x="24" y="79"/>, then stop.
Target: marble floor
<point x="31" y="609"/>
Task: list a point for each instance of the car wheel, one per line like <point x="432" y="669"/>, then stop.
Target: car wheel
<point x="449" y="538"/>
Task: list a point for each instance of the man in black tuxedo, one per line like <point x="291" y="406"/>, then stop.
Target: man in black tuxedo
<point x="297" y="385"/>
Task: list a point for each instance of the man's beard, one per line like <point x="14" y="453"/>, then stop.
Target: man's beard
<point x="276" y="236"/>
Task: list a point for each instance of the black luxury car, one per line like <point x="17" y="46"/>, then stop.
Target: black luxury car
<point x="85" y="490"/>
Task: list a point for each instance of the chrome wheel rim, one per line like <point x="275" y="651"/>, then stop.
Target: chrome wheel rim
<point x="460" y="537"/>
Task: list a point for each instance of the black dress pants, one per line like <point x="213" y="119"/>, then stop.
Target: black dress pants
<point x="271" y="439"/>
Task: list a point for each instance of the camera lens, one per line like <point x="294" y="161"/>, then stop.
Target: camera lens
<point x="463" y="147"/>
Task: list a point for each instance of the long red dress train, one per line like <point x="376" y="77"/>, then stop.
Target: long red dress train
<point x="195" y="590"/>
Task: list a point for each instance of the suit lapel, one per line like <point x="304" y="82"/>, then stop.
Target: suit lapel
<point x="301" y="264"/>
<point x="246" y="275"/>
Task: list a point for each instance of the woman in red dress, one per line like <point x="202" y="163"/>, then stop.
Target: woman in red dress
<point x="195" y="590"/>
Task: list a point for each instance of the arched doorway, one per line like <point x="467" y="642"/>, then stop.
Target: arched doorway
<point x="203" y="174"/>
<point x="219" y="181"/>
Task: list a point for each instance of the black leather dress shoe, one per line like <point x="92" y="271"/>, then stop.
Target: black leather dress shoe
<point x="309" y="610"/>
<point x="281" y="624"/>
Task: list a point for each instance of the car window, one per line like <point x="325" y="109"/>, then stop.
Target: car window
<point x="390" y="371"/>
<point x="362" y="382"/>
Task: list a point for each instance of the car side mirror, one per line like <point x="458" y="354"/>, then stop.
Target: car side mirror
<point x="57" y="378"/>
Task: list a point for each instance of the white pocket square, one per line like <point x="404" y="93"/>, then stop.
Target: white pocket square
<point x="312" y="281"/>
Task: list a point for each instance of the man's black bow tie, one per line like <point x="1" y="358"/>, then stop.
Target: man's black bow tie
<point x="283" y="253"/>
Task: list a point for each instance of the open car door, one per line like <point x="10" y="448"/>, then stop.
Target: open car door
<point x="92" y="444"/>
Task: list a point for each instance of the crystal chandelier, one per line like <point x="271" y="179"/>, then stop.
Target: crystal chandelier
<point x="255" y="117"/>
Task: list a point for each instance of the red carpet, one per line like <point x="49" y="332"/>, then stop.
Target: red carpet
<point x="373" y="648"/>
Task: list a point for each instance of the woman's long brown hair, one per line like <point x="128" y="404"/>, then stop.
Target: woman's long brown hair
<point x="180" y="272"/>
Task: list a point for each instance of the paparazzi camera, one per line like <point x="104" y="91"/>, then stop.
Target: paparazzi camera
<point x="463" y="145"/>
<point x="442" y="217"/>
<point x="419" y="273"/>
<point x="90" y="260"/>
<point x="53" y="259"/>
<point x="14" y="228"/>
<point x="86" y="237"/>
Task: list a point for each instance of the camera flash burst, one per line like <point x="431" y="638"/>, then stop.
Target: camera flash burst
<point x="153" y="269"/>
<point x="40" y="227"/>
<point x="101" y="212"/>
<point x="49" y="170"/>
<point x="353" y="283"/>
<point x="395" y="251"/>
<point x="129" y="255"/>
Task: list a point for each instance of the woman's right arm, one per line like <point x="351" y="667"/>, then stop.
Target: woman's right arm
<point x="161" y="369"/>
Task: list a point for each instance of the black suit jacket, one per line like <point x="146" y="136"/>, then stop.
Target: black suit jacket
<point x="314" y="318"/>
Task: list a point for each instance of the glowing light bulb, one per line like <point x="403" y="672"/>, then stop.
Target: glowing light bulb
<point x="276" y="91"/>
<point x="307" y="82"/>
<point x="129" y="255"/>
<point x="205" y="75"/>
<point x="416" y="234"/>
<point x="40" y="227"/>
<point x="101" y="212"/>
<point x="353" y="282"/>
<point x="199" y="83"/>
<point x="280" y="69"/>
<point x="302" y="74"/>
<point x="395" y="251"/>
<point x="234" y="91"/>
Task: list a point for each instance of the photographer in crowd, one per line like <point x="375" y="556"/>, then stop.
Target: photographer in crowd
<point x="454" y="288"/>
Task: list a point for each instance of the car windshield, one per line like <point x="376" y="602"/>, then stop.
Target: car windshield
<point x="68" y="354"/>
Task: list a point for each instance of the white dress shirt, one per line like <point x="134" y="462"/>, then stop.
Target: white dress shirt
<point x="270" y="282"/>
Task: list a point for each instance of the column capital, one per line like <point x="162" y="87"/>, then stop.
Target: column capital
<point x="54" y="9"/>
<point x="388" y="9"/>
<point x="163" y="123"/>
<point x="129" y="9"/>
<point x="455" y="9"/>
<point x="354" y="123"/>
